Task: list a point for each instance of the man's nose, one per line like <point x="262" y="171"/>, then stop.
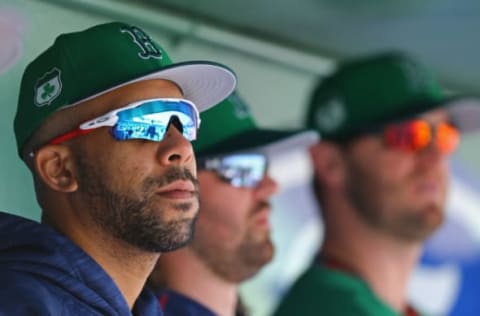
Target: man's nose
<point x="266" y="187"/>
<point x="175" y="148"/>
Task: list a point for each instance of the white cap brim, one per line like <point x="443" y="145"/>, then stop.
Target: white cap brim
<point x="204" y="83"/>
<point x="299" y="141"/>
<point x="465" y="114"/>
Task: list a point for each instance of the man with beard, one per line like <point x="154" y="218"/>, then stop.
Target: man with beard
<point x="113" y="196"/>
<point x="381" y="176"/>
<point x="232" y="235"/>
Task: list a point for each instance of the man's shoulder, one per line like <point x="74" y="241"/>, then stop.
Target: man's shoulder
<point x="24" y="293"/>
<point x="330" y="292"/>
<point x="174" y="304"/>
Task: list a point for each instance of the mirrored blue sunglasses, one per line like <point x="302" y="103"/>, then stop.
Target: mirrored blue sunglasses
<point x="239" y="170"/>
<point x="145" y="119"/>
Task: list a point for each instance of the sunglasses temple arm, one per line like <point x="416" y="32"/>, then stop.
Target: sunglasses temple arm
<point x="69" y="135"/>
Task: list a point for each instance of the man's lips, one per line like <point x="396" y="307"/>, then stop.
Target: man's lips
<point x="262" y="216"/>
<point x="428" y="187"/>
<point x="178" y="190"/>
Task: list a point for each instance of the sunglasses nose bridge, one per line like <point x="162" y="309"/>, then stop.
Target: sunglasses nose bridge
<point x="175" y="121"/>
<point x="436" y="142"/>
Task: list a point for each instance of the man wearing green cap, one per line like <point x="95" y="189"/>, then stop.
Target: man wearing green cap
<point x="113" y="194"/>
<point x="381" y="176"/>
<point x="232" y="235"/>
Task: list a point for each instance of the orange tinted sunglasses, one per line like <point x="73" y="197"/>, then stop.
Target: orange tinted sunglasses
<point x="414" y="135"/>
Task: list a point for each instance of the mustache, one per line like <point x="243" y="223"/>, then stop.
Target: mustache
<point x="261" y="206"/>
<point x="172" y="174"/>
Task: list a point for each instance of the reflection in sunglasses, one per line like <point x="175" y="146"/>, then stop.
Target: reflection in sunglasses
<point x="415" y="135"/>
<point x="146" y="119"/>
<point x="239" y="170"/>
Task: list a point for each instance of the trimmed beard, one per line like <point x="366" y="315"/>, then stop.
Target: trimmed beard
<point x="134" y="220"/>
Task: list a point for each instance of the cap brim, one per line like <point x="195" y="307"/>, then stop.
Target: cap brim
<point x="465" y="113"/>
<point x="204" y="83"/>
<point x="254" y="139"/>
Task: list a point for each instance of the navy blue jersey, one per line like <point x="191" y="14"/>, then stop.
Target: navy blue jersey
<point x="44" y="273"/>
<point x="176" y="304"/>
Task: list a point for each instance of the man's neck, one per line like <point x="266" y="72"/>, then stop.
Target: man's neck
<point x="383" y="262"/>
<point x="128" y="266"/>
<point x="198" y="281"/>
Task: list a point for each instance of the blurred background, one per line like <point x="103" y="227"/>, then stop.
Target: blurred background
<point x="279" y="49"/>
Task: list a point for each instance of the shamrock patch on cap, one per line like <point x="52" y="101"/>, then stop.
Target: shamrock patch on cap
<point x="48" y="88"/>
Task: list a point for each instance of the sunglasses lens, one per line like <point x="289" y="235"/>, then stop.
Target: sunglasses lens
<point x="448" y="138"/>
<point x="240" y="170"/>
<point x="409" y="136"/>
<point x="421" y="134"/>
<point x="417" y="134"/>
<point x="150" y="120"/>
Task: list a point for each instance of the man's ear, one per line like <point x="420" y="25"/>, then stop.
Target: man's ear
<point x="55" y="166"/>
<point x="328" y="163"/>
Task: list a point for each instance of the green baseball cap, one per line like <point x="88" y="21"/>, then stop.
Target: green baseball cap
<point x="83" y="65"/>
<point x="230" y="127"/>
<point x="374" y="91"/>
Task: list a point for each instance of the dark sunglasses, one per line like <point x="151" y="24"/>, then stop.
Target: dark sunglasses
<point x="239" y="170"/>
<point x="415" y="135"/>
